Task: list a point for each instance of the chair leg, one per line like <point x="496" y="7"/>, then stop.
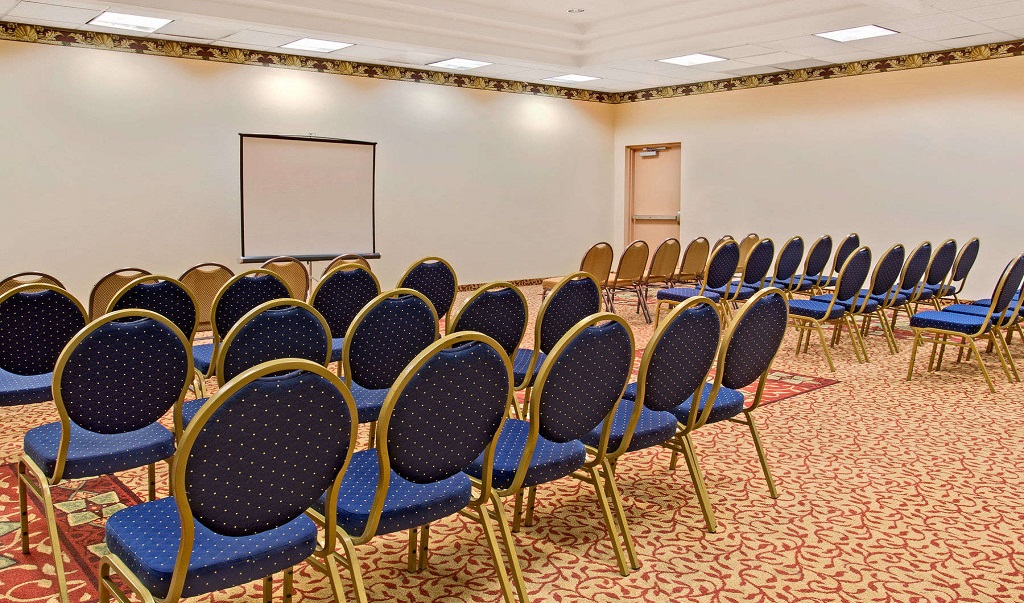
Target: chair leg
<point x="424" y="548"/>
<point x="151" y="476"/>
<point x="353" y="567"/>
<point x="334" y="577"/>
<point x="612" y="490"/>
<point x="373" y="434"/>
<point x="609" y="520"/>
<point x="268" y="589"/>
<point x="531" y="503"/>
<point x="913" y="354"/>
<point x="984" y="371"/>
<point x="510" y="549"/>
<point x="698" y="484"/>
<point x="824" y="346"/>
<point x="889" y="334"/>
<point x="289" y="589"/>
<point x="46" y="501"/>
<point x="761" y="455"/>
<point x="517" y="511"/>
<point x="23" y="507"/>
<point x="413" y="545"/>
<point x="999" y="342"/>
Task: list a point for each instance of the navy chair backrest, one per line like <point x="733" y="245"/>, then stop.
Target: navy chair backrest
<point x="435" y="279"/>
<point x="754" y="339"/>
<point x="853" y="274"/>
<point x="941" y="263"/>
<point x="917" y="263"/>
<point x="887" y="271"/>
<point x="759" y="262"/>
<point x="681" y="356"/>
<point x="272" y="331"/>
<point x="1003" y="294"/>
<point x="123" y="372"/>
<point x="499" y="311"/>
<point x="243" y="293"/>
<point x="386" y="336"/>
<point x="722" y="265"/>
<point x="848" y="246"/>
<point x="270" y="449"/>
<point x="965" y="259"/>
<point x="165" y="296"/>
<point x="446" y="408"/>
<point x="584" y="378"/>
<point x="341" y="294"/>
<point x="789" y="259"/>
<point x="572" y="301"/>
<point x="817" y="259"/>
<point x="36" y="322"/>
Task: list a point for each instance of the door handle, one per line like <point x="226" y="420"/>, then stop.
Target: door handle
<point x="655" y="217"/>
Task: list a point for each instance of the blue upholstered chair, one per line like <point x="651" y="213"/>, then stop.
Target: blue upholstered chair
<point x="814" y="276"/>
<point x="339" y="296"/>
<point x="882" y="290"/>
<point x="435" y="278"/>
<point x="911" y="278"/>
<point x="498" y="310"/>
<point x="113" y="382"/>
<point x="961" y="268"/>
<point x="986" y="322"/>
<point x="755" y="270"/>
<point x="786" y="264"/>
<point x="161" y="294"/>
<point x="261" y="452"/>
<point x="36" y="322"/>
<point x="236" y="298"/>
<point x="386" y="335"/>
<point x="444" y="410"/>
<point x="835" y="309"/>
<point x="576" y="297"/>
<point x="850" y="244"/>
<point x="717" y="277"/>
<point x="655" y="409"/>
<point x="108" y="285"/>
<point x="274" y="330"/>
<point x="935" y="275"/>
<point x="578" y="387"/>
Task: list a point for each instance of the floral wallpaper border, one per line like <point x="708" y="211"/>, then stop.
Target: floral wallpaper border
<point x="168" y="48"/>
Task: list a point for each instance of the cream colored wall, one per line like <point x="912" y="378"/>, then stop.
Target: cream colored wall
<point x="898" y="157"/>
<point x="115" y="159"/>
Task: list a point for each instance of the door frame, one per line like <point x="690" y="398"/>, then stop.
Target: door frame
<point x="628" y="209"/>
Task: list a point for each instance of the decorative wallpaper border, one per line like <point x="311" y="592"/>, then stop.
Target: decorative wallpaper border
<point x="168" y="48"/>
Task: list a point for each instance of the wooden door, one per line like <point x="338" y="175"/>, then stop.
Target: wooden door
<point x="653" y="192"/>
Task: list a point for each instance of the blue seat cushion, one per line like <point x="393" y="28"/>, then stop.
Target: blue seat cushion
<point x="745" y="292"/>
<point x="982" y="311"/>
<point x="873" y="302"/>
<point x="728" y="403"/>
<point x="407" y="504"/>
<point x="202" y="357"/>
<point x="91" y="454"/>
<point x="925" y="293"/>
<point x="337" y="345"/>
<point x="369" y="402"/>
<point x="189" y="410"/>
<point x="988" y="302"/>
<point x="24" y="389"/>
<point x="899" y="299"/>
<point x="681" y="294"/>
<point x="521" y="363"/>
<point x="815" y="309"/>
<point x="949" y="321"/>
<point x="806" y="282"/>
<point x="652" y="428"/>
<point x="550" y="460"/>
<point x="830" y="281"/>
<point x="146" y="538"/>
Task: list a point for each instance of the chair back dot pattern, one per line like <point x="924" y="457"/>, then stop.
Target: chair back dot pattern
<point x="572" y="302"/>
<point x="817" y="258"/>
<point x="105" y="289"/>
<point x="754" y="340"/>
<point x="243" y="293"/>
<point x="268" y="453"/>
<point x="123" y="376"/>
<point x="789" y="259"/>
<point x="204" y="281"/>
<point x="887" y="271"/>
<point x="275" y="333"/>
<point x="1003" y="294"/>
<point x="941" y="263"/>
<point x="436" y="281"/>
<point x="848" y="246"/>
<point x="34" y="328"/>
<point x="598" y="262"/>
<point x="917" y="263"/>
<point x="498" y="313"/>
<point x="165" y="297"/>
<point x="341" y="295"/>
<point x="448" y="412"/>
<point x="682" y="357"/>
<point x="722" y="264"/>
<point x="585" y="381"/>
<point x="759" y="262"/>
<point x="965" y="259"/>
<point x="393" y="332"/>
<point x="853" y="274"/>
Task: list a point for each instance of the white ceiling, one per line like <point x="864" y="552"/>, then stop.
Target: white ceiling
<point x="618" y="41"/>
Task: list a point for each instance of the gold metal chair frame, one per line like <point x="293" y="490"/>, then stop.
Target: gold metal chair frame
<point x="597" y="261"/>
<point x="98" y="296"/>
<point x="915" y="296"/>
<point x="285" y="263"/>
<point x="879" y="312"/>
<point x="947" y="285"/>
<point x="342" y="267"/>
<point x="477" y="510"/>
<point x="746" y="244"/>
<point x="480" y="292"/>
<point x="661" y="271"/>
<point x="348" y="258"/>
<point x="836" y="265"/>
<point x="629" y="283"/>
<point x="195" y="280"/>
<point x="690" y="270"/>
<point x="730" y="298"/>
<point x="323" y="558"/>
<point x="791" y="288"/>
<point x="37" y="287"/>
<point x="816" y="287"/>
<point x="29" y="470"/>
<point x="28" y="278"/>
<point x="401" y="283"/>
<point x="903" y="274"/>
<point x="720" y="305"/>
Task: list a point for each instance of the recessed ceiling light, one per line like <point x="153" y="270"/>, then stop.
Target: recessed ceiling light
<point x="314" y="45"/>
<point x="576" y="11"/>
<point x="692" y="59"/>
<point x="856" y="33"/>
<point x="132" y="22"/>
<point x="459" y="64"/>
<point x="571" y="78"/>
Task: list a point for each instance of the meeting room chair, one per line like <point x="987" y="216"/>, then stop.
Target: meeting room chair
<point x="808" y="315"/>
<point x="662" y="268"/>
<point x="786" y="265"/>
<point x="498" y="310"/>
<point x="293" y="272"/>
<point x="872" y="302"/>
<point x="446" y="408"/>
<point x="108" y="285"/>
<point x="746" y="244"/>
<point x="965" y="259"/>
<point x="718" y="275"/>
<point x="113" y="382"/>
<point x="36" y="322"/>
<point x="161" y="294"/>
<point x="935" y="275"/>
<point x="204" y="281"/>
<point x="849" y="244"/>
<point x="752" y="277"/>
<point x="578" y="387"/>
<point x="597" y="262"/>
<point x="348" y="258"/>
<point x="237" y="512"/>
<point x="628" y="277"/>
<point x="691" y="267"/>
<point x="911" y="277"/>
<point x="28" y="278"/>
<point x="435" y="278"/>
<point x="339" y="296"/>
<point x="814" y="277"/>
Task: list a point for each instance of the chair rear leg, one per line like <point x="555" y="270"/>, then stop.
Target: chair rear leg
<point x="761" y="455"/>
<point x="609" y="519"/>
<point x="531" y="503"/>
<point x="353" y="567"/>
<point x="698" y="484"/>
<point x="984" y="371"/>
<point x="612" y="490"/>
<point x="913" y="354"/>
<point x="510" y="548"/>
<point x="288" y="589"/>
<point x="824" y="346"/>
<point x="23" y="506"/>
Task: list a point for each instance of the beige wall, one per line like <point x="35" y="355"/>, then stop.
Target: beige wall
<point x="898" y="157"/>
<point x="113" y="160"/>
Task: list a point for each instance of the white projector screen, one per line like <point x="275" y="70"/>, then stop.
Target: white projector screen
<point x="306" y="197"/>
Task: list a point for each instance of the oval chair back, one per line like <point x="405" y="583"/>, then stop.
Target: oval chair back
<point x="962" y="267"/>
<point x="940" y="265"/>
<point x="695" y="258"/>
<point x="498" y="310"/>
<point x="853" y="274"/>
<point x="36" y="322"/>
<point x="884" y="277"/>
<point x="28" y="278"/>
<point x="722" y="265"/>
<point x="913" y="270"/>
<point x="632" y="263"/>
<point x="817" y="259"/>
<point x="293" y="272"/>
<point x="575" y="298"/>
<point x="386" y="335"/>
<point x="163" y="295"/>
<point x="663" y="263"/>
<point x="282" y="328"/>
<point x="758" y="263"/>
<point x="435" y="278"/>
<point x="341" y="294"/>
<point x="598" y="262"/>
<point x="348" y="258"/>
<point x="108" y="285"/>
<point x="788" y="263"/>
<point x="1002" y="308"/>
<point x="241" y="294"/>
<point x="204" y="281"/>
<point x="746" y="244"/>
<point x="850" y="243"/>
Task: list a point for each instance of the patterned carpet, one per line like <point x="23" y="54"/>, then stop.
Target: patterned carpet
<point x="890" y="491"/>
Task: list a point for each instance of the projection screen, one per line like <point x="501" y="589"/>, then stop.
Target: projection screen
<point x="306" y="197"/>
